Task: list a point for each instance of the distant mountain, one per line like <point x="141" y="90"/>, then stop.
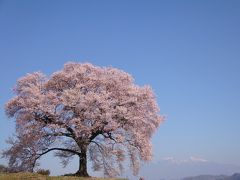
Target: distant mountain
<point x="172" y="169"/>
<point x="206" y="177"/>
<point x="235" y="176"/>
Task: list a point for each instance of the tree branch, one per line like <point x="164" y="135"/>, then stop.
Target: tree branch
<point x="109" y="135"/>
<point x="50" y="119"/>
<point x="59" y="134"/>
<point x="99" y="146"/>
<point x="95" y="134"/>
<point x="59" y="149"/>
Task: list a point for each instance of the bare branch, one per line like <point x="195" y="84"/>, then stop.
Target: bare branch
<point x="58" y="149"/>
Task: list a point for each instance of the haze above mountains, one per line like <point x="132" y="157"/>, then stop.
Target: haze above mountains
<point x="170" y="168"/>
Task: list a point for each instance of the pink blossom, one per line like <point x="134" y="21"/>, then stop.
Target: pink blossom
<point x="82" y="110"/>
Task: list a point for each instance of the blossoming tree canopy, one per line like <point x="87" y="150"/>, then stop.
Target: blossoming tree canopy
<point x="95" y="113"/>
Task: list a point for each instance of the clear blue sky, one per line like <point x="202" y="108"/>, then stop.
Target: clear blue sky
<point x="188" y="51"/>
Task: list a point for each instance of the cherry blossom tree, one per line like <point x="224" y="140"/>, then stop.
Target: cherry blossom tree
<point x="97" y="114"/>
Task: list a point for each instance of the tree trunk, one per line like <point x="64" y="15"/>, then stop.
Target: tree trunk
<point x="82" y="171"/>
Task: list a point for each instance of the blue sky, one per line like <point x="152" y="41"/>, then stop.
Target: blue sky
<point x="188" y="51"/>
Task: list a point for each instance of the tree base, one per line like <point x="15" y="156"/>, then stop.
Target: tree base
<point x="81" y="174"/>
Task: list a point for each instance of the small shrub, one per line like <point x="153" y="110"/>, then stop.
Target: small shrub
<point x="3" y="168"/>
<point x="43" y="172"/>
<point x="70" y="174"/>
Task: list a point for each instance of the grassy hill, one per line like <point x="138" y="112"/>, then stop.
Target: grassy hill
<point x="35" y="176"/>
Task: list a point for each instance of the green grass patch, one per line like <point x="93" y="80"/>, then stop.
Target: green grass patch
<point x="35" y="176"/>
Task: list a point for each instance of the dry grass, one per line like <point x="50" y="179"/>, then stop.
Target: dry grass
<point x="35" y="176"/>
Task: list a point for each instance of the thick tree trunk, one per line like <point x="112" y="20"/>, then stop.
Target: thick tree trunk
<point x="82" y="171"/>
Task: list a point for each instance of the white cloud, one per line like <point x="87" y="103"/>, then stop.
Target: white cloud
<point x="179" y="161"/>
<point x="197" y="159"/>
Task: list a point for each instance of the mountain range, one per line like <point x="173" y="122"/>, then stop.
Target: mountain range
<point x="235" y="176"/>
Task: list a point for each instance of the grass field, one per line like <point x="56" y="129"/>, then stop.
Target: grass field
<point x="35" y="176"/>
